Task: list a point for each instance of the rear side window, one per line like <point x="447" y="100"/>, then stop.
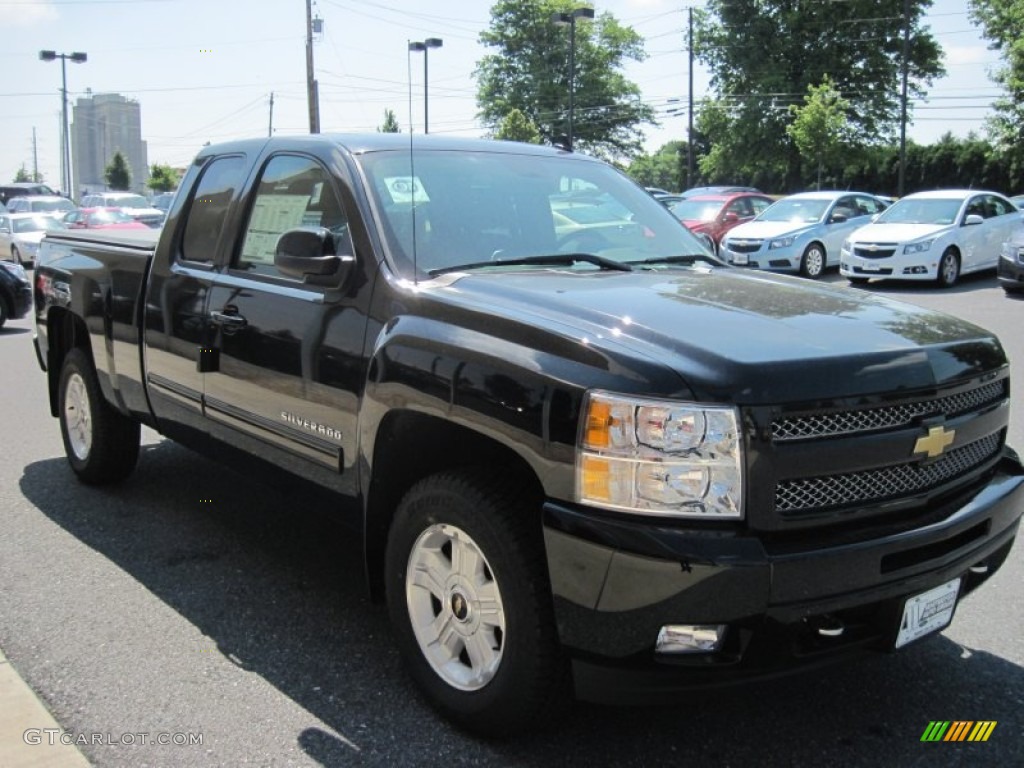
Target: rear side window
<point x="209" y="208"/>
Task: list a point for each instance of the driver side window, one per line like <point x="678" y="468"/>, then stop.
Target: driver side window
<point x="294" y="192"/>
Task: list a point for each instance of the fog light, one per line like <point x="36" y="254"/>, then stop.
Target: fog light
<point x="690" y="638"/>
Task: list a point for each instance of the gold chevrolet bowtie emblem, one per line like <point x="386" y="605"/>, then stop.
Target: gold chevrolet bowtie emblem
<point x="935" y="442"/>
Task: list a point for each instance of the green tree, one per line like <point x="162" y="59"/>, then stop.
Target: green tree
<point x="1002" y="22"/>
<point x="665" y="169"/>
<point x="517" y="127"/>
<point x="162" y="178"/>
<point x="858" y="43"/>
<point x="22" y="175"/>
<point x="529" y="71"/>
<point x="820" y="127"/>
<point x="390" y="123"/>
<point x="118" y="174"/>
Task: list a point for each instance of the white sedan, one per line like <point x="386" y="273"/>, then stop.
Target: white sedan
<point x="20" y="234"/>
<point x="934" y="236"/>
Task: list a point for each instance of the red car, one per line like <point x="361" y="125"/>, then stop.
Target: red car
<point x="711" y="216"/>
<point x="101" y="218"/>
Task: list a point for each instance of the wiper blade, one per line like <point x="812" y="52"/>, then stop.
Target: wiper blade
<point x="686" y="259"/>
<point x="549" y="259"/>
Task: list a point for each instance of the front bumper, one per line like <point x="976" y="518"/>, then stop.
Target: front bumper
<point x="1011" y="273"/>
<point x="617" y="581"/>
<point x="773" y="259"/>
<point x="921" y="266"/>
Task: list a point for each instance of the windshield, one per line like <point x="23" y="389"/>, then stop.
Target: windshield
<point x="36" y="224"/>
<point x="131" y="201"/>
<point x="799" y="210"/>
<point x="51" y="205"/>
<point x="696" y="210"/>
<point x="469" y="208"/>
<point x="921" y="211"/>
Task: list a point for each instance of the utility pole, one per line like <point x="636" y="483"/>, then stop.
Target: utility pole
<point x="689" y="111"/>
<point x="270" y="125"/>
<point x="905" y="69"/>
<point x="312" y="96"/>
<point x="35" y="157"/>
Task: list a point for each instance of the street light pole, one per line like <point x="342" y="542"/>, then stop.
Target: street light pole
<point x="78" y="58"/>
<point x="570" y="19"/>
<point x="425" y="46"/>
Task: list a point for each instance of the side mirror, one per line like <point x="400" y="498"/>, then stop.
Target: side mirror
<point x="731" y="217"/>
<point x="972" y="219"/>
<point x="310" y="255"/>
<point x="837" y="218"/>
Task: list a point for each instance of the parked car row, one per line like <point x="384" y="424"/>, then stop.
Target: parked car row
<point x="936" y="236"/>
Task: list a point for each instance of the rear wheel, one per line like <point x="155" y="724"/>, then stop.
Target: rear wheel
<point x="3" y="311"/>
<point x="949" y="269"/>
<point x="813" y="262"/>
<point x="16" y="255"/>
<point x="468" y="594"/>
<point x="102" y="445"/>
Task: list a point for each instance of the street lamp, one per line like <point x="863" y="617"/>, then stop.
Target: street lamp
<point x="430" y="42"/>
<point x="78" y="58"/>
<point x="570" y="19"/>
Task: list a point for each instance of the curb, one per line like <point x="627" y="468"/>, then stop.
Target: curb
<point x="21" y="712"/>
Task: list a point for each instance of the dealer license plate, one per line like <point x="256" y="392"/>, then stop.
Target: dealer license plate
<point x="740" y="258"/>
<point x="869" y="267"/>
<point x="928" y="612"/>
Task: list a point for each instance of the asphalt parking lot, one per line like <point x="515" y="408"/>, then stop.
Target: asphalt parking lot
<point x="193" y="601"/>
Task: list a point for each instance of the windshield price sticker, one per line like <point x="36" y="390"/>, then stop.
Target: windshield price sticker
<point x="928" y="612"/>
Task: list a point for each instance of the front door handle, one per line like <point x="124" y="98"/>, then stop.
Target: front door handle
<point x="228" y="320"/>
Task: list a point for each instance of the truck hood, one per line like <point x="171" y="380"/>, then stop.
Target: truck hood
<point x="762" y="230"/>
<point x="898" y="233"/>
<point x="737" y="336"/>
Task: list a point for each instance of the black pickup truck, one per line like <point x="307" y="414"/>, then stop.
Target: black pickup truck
<point x="583" y="456"/>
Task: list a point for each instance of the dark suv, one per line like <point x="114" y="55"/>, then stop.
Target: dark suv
<point x="23" y="189"/>
<point x="15" y="291"/>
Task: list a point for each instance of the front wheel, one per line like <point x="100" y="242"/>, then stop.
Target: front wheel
<point x="101" y="444"/>
<point x="468" y="595"/>
<point x="813" y="262"/>
<point x="16" y="255"/>
<point x="949" y="269"/>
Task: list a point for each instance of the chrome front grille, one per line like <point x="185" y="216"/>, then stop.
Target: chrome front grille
<point x="744" y="246"/>
<point x="874" y="250"/>
<point x="821" y="494"/>
<point x="818" y="425"/>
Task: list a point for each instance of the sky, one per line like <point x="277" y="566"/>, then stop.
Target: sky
<point x="204" y="70"/>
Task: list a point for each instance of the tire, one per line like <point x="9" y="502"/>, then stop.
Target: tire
<point x="812" y="264"/>
<point x="949" y="269"/>
<point x="101" y="444"/>
<point x="3" y="311"/>
<point x="16" y="255"/>
<point x="469" y="598"/>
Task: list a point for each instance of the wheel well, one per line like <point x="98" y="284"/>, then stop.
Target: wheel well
<point x="817" y="243"/>
<point x="64" y="332"/>
<point x="409" y="447"/>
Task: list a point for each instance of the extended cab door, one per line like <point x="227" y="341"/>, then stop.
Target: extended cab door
<point x="177" y="335"/>
<point x="290" y="370"/>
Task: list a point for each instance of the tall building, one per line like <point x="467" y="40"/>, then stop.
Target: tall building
<point x="103" y="124"/>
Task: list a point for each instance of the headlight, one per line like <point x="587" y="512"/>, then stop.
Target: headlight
<point x="845" y="247"/>
<point x="782" y="242"/>
<point x="918" y="247"/>
<point x="659" y="457"/>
